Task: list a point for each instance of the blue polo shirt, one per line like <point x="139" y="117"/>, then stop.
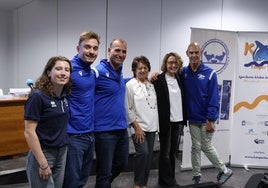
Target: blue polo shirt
<point x="81" y="99"/>
<point x="110" y="112"/>
<point x="52" y="114"/>
<point x="201" y="92"/>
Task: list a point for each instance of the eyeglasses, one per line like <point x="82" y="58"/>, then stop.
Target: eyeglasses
<point x="172" y="62"/>
<point x="195" y="52"/>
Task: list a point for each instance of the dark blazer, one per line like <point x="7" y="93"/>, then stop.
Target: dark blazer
<point x="163" y="102"/>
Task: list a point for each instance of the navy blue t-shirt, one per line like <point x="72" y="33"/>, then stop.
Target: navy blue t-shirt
<point x="52" y="115"/>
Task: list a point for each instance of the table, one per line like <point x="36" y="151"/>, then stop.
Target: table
<point x="12" y="140"/>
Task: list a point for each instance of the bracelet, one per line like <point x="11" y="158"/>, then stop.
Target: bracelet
<point x="44" y="168"/>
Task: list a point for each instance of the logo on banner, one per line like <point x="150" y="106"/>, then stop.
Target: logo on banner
<point x="258" y="141"/>
<point x="244" y="123"/>
<point x="215" y="54"/>
<point x="265" y="123"/>
<point x="251" y="131"/>
<point x="259" y="55"/>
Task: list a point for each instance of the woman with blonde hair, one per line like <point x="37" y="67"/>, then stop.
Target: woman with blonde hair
<point x="170" y="95"/>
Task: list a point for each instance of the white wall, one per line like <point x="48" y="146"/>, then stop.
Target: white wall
<point x="3" y="49"/>
<point x="239" y="15"/>
<point x="37" y="38"/>
<point x="138" y="22"/>
<point x="74" y="17"/>
<point x="178" y="16"/>
<point x="34" y="32"/>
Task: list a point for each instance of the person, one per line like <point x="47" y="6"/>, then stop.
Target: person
<point x="201" y="91"/>
<point x="81" y="103"/>
<point x="110" y="116"/>
<point x="46" y="114"/>
<point x="142" y="113"/>
<point x="172" y="116"/>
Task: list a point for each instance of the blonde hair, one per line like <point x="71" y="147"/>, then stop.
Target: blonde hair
<point x="178" y="58"/>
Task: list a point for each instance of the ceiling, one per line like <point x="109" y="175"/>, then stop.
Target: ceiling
<point x="12" y="4"/>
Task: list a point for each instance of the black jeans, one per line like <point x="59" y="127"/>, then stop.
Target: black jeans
<point x="167" y="156"/>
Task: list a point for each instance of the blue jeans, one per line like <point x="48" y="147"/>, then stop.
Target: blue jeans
<point x="56" y="158"/>
<point x="112" y="156"/>
<point x="79" y="160"/>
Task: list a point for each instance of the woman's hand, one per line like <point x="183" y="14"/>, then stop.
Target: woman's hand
<point x="139" y="134"/>
<point x="45" y="172"/>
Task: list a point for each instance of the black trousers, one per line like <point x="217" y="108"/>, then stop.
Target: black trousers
<point x="167" y="155"/>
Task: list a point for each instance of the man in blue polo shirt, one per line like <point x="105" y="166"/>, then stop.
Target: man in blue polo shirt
<point x="110" y="116"/>
<point x="81" y="102"/>
<point x="202" y="101"/>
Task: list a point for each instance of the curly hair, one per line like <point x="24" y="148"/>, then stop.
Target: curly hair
<point x="44" y="83"/>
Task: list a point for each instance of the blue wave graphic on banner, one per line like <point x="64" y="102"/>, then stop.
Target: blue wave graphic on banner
<point x="256" y="64"/>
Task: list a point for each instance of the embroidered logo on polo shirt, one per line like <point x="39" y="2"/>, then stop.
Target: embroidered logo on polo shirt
<point x="201" y="77"/>
<point x="53" y="104"/>
<point x="65" y="102"/>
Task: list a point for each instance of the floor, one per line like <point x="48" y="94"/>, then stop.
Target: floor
<point x="238" y="180"/>
<point x="125" y="179"/>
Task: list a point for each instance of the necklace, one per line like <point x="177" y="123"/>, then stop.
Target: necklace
<point x="148" y="92"/>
